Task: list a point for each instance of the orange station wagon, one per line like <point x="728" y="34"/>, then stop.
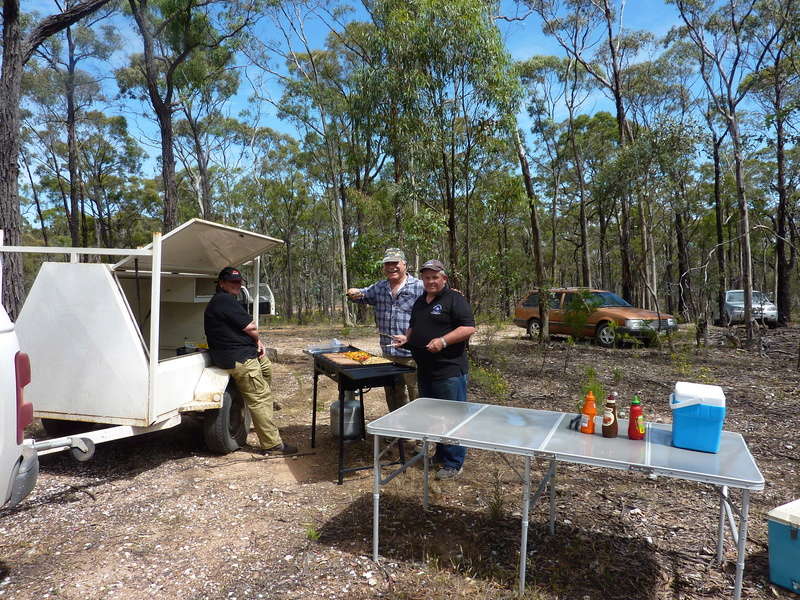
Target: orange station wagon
<point x="610" y="318"/>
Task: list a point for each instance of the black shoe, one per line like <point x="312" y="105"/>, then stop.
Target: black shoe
<point x="276" y="405"/>
<point x="282" y="448"/>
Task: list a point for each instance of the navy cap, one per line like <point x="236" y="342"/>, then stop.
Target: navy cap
<point x="231" y="274"/>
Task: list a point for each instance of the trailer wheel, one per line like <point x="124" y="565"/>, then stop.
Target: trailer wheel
<point x="79" y="454"/>
<point x="225" y="429"/>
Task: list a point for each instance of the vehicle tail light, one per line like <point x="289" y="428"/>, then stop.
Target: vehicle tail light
<point x="22" y="366"/>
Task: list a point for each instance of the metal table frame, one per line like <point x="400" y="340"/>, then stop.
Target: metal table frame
<point x="354" y="378"/>
<point x="545" y="435"/>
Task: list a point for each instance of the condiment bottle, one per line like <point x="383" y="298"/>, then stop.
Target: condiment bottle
<point x="588" y="413"/>
<point x="636" y="420"/>
<point x="610" y="425"/>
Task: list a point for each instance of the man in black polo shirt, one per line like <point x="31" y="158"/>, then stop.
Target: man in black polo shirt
<point x="235" y="346"/>
<point x="441" y="324"/>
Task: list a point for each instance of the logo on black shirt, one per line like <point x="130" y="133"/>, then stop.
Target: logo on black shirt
<point x="437" y="309"/>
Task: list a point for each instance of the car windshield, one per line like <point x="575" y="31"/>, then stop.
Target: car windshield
<point x="737" y="297"/>
<point x="607" y="299"/>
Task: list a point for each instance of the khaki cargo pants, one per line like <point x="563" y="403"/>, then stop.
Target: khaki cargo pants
<point x="404" y="392"/>
<point x="252" y="378"/>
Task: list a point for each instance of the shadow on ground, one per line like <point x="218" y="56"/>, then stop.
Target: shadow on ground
<point x="573" y="563"/>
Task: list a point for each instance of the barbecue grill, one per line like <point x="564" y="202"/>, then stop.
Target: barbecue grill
<point x="350" y="378"/>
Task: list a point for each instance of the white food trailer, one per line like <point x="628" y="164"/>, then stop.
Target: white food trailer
<point x="110" y="345"/>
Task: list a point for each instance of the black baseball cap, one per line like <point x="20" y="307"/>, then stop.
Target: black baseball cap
<point x="231" y="274"/>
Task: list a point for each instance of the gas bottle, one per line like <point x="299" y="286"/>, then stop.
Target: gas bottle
<point x="352" y="417"/>
<point x="588" y="413"/>
<point x="636" y="420"/>
<point x="610" y="425"/>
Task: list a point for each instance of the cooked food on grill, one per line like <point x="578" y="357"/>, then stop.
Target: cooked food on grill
<point x="376" y="360"/>
<point x="358" y="356"/>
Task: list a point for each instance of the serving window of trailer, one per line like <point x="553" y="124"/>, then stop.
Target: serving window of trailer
<point x="191" y="257"/>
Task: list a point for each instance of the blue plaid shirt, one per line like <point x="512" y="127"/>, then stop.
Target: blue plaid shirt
<point x="392" y="314"/>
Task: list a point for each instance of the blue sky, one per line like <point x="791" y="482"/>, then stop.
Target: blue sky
<point x="523" y="39"/>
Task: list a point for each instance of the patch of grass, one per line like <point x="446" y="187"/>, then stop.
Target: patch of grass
<point x="591" y="382"/>
<point x="311" y="532"/>
<point x="616" y="376"/>
<point x="490" y="380"/>
<point x="497" y="501"/>
<point x="682" y="363"/>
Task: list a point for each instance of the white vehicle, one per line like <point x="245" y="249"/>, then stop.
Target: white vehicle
<point x="19" y="463"/>
<point x="122" y="348"/>
<point x="763" y="308"/>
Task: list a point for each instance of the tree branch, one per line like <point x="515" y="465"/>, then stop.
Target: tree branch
<point x="55" y="23"/>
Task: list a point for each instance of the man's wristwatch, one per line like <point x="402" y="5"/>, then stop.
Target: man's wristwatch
<point x="444" y="343"/>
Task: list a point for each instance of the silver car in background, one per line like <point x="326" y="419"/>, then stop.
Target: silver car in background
<point x="763" y="308"/>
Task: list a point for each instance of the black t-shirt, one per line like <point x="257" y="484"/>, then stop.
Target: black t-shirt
<point x="224" y="320"/>
<point x="442" y="315"/>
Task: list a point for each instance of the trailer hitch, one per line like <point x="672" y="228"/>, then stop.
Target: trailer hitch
<point x="81" y="448"/>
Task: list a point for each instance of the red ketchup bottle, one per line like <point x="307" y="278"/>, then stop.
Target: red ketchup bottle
<point x="636" y="420"/>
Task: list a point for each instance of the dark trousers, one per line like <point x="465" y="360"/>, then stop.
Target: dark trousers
<point x="453" y="388"/>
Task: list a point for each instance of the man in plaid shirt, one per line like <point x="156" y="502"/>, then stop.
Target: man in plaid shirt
<point x="393" y="298"/>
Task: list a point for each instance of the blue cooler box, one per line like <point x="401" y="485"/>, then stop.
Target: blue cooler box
<point x="784" y="546"/>
<point x="698" y="412"/>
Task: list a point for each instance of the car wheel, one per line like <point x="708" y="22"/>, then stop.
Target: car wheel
<point x="225" y="429"/>
<point x="534" y="328"/>
<point x="605" y="335"/>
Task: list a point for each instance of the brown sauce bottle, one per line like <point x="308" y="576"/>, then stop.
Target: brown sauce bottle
<point x="610" y="424"/>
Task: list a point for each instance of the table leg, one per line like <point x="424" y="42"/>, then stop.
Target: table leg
<point x="363" y="414"/>
<point x="552" y="496"/>
<point x="341" y="434"/>
<point x="721" y="525"/>
<point x="376" y="494"/>
<point x="523" y="545"/>
<point x="425" y="468"/>
<point x="314" y="410"/>
<point x="740" y="546"/>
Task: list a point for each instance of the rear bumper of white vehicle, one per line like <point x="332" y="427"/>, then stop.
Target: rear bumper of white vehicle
<point x="24" y="476"/>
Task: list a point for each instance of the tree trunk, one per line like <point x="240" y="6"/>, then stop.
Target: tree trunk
<point x="16" y="53"/>
<point x="784" y="263"/>
<point x="744" y="223"/>
<point x="683" y="263"/>
<point x="72" y="144"/>
<point x="164" y="115"/>
<point x="202" y="170"/>
<point x="718" y="208"/>
<point x="535" y="234"/>
<point x="10" y="91"/>
<point x="163" y="109"/>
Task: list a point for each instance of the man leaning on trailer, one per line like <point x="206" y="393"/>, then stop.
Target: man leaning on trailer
<point x="234" y="345"/>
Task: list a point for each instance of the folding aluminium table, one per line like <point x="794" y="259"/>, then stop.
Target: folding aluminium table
<point x="545" y="434"/>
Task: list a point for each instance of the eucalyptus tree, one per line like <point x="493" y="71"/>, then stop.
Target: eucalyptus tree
<point x="728" y="53"/>
<point x="110" y="161"/>
<point x="543" y="79"/>
<point x="327" y="96"/>
<point x="592" y="33"/>
<point x="284" y="199"/>
<point x="205" y="83"/>
<point x="452" y="76"/>
<point x="777" y="89"/>
<point x="172" y="32"/>
<point x="63" y="55"/>
<point x="18" y="47"/>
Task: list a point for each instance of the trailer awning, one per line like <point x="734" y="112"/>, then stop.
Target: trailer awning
<point x="200" y="246"/>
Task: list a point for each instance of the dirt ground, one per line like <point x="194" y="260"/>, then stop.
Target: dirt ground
<point x="160" y="517"/>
